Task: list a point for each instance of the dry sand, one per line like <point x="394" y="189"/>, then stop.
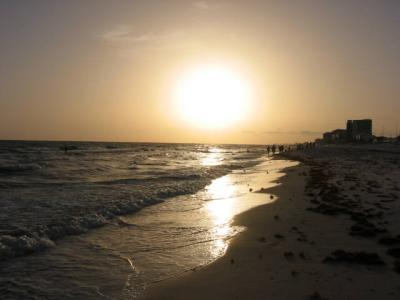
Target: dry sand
<point x="339" y="198"/>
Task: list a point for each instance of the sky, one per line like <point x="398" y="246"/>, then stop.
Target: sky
<point x="106" y="70"/>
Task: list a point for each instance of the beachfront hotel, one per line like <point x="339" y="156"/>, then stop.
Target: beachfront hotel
<point x="356" y="131"/>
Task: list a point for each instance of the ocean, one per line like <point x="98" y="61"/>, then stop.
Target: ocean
<point x="105" y="220"/>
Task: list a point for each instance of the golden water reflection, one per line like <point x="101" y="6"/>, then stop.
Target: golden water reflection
<point x="213" y="157"/>
<point x="221" y="209"/>
<point x="229" y="195"/>
<point x="221" y="188"/>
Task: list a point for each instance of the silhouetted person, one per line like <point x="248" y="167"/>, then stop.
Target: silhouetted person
<point x="65" y="148"/>
<point x="273" y="149"/>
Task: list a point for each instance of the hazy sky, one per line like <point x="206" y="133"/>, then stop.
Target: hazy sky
<point x="104" y="70"/>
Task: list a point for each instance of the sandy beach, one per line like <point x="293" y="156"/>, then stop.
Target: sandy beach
<point x="333" y="233"/>
<point x="199" y="150"/>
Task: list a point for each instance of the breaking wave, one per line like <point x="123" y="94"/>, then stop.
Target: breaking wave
<point x="47" y="194"/>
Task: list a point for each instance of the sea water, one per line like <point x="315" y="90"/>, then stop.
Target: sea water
<point x="82" y="220"/>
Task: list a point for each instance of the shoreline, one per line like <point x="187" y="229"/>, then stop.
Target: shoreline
<point x="284" y="251"/>
<point x="194" y="285"/>
<point x="38" y="238"/>
<point x="158" y="242"/>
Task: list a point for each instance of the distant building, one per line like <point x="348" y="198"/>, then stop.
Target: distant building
<point x="335" y="136"/>
<point x="327" y="137"/>
<point x="339" y="135"/>
<point x="359" y="130"/>
<point x="356" y="131"/>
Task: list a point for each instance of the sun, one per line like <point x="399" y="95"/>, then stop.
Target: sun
<point x="212" y="96"/>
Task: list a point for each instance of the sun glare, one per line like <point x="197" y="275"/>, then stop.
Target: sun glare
<point x="212" y="97"/>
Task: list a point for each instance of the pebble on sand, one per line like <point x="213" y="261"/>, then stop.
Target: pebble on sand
<point x="288" y="254"/>
<point x="262" y="239"/>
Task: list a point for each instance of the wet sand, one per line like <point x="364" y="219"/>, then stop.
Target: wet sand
<point x="333" y="233"/>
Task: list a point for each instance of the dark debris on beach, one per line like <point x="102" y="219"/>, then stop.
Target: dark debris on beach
<point x="363" y="258"/>
<point x="332" y="195"/>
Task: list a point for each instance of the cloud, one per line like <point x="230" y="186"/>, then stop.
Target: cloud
<point x="308" y="132"/>
<point x="125" y="34"/>
<point x="119" y="33"/>
<point x="282" y="132"/>
<point x="301" y="132"/>
<point x="202" y="5"/>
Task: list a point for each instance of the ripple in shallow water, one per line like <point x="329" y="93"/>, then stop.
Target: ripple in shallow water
<point x="118" y="261"/>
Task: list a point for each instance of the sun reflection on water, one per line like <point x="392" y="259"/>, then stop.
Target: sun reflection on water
<point x="213" y="157"/>
<point x="221" y="188"/>
<point x="218" y="248"/>
<point x="221" y="210"/>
